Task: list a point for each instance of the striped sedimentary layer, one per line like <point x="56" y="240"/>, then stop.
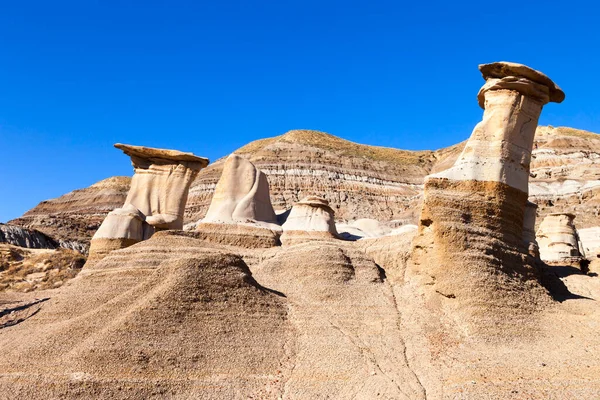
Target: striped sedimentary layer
<point x="469" y="251"/>
<point x="75" y="216"/>
<point x="357" y="180"/>
<point x="565" y="174"/>
<point x="166" y="317"/>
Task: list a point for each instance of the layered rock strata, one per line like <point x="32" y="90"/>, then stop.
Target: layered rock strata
<point x="156" y="198"/>
<point x="17" y="236"/>
<point x="558" y="239"/>
<point x="75" y="216"/>
<point x="359" y="181"/>
<point x="34" y="239"/>
<point x="566" y="174"/>
<point x="470" y="248"/>
<point x="311" y="218"/>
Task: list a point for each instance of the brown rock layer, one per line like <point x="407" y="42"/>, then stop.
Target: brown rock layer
<point x="77" y="215"/>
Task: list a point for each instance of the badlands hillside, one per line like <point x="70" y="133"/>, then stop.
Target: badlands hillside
<point x="479" y="299"/>
<point x="359" y="181"/>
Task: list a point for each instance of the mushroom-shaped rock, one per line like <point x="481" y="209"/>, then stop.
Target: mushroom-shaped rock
<point x="241" y="195"/>
<point x="155" y="201"/>
<point x="474" y="230"/>
<point x="558" y="239"/>
<point x="312" y="219"/>
<point x="499" y="149"/>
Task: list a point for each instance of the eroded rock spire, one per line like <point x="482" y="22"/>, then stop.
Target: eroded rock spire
<point x="471" y="248"/>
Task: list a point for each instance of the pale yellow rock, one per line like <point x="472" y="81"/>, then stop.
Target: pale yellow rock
<point x="126" y="222"/>
<point x="241" y="195"/>
<point x="311" y="216"/>
<point x="160" y="185"/>
<point x="500" y="146"/>
<point x="156" y="199"/>
<point x="558" y="239"/>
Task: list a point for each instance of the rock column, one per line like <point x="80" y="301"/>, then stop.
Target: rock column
<point x="470" y="246"/>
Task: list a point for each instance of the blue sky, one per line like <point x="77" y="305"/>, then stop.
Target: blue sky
<point x="208" y="77"/>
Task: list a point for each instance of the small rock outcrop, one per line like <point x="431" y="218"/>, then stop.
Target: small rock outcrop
<point x="22" y="237"/>
<point x="529" y="229"/>
<point x="473" y="216"/>
<point x="558" y="239"/>
<point x="311" y="218"/>
<point x="590" y="240"/>
<point x="156" y="198"/>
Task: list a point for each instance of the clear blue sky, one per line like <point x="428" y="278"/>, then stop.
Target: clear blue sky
<point x="208" y="77"/>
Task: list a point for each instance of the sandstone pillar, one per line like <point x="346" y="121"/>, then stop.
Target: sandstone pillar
<point x="156" y="198"/>
<point x="470" y="247"/>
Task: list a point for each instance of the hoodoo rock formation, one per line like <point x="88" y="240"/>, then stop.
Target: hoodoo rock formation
<point x="241" y="195"/>
<point x="470" y="246"/>
<point x="311" y="218"/>
<point x="359" y="181"/>
<point x="156" y="198"/>
<point x="241" y="212"/>
<point x="558" y="240"/>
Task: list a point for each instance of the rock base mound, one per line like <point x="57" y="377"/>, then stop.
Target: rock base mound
<point x="151" y="321"/>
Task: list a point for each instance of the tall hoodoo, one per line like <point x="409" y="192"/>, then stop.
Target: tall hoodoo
<point x="155" y="201"/>
<point x="471" y="231"/>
